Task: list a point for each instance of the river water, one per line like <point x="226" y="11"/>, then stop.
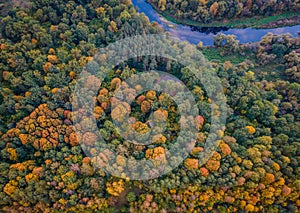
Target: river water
<point x="205" y="34"/>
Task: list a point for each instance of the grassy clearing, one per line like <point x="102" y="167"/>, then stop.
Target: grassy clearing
<point x="269" y="72"/>
<point x="213" y="54"/>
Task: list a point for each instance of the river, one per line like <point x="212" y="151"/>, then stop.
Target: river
<point x="196" y="34"/>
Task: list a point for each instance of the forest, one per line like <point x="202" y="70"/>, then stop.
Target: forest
<point x="230" y="12"/>
<point x="46" y="45"/>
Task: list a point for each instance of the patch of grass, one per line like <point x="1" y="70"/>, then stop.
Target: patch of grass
<point x="213" y="54"/>
<point x="269" y="72"/>
<point x="261" y="22"/>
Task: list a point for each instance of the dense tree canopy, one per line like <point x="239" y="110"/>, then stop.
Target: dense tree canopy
<point x="44" y="48"/>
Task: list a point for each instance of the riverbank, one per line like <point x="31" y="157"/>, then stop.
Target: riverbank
<point x="280" y="20"/>
<point x="206" y="35"/>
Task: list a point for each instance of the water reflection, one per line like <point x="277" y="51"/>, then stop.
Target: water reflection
<point x="208" y="30"/>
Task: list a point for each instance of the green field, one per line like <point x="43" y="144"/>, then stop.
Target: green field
<point x="213" y="54"/>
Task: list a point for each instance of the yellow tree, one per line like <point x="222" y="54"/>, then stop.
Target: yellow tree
<point x="162" y="4"/>
<point x="214" y="8"/>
